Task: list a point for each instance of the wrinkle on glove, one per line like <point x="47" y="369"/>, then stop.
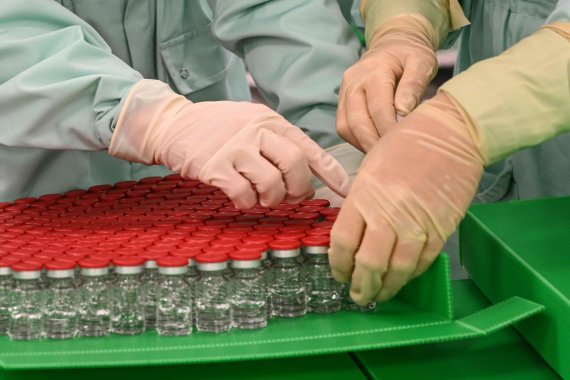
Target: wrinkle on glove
<point x="247" y="150"/>
<point x="409" y="196"/>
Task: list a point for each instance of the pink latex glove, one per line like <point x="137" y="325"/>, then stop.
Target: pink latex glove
<point x="389" y="79"/>
<point x="247" y="150"/>
<point x="410" y="194"/>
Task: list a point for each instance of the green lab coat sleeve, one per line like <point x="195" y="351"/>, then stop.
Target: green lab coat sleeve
<point x="296" y="51"/>
<point x="60" y="85"/>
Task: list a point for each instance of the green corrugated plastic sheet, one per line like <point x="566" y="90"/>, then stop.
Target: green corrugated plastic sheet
<point x="523" y="249"/>
<point x="421" y="314"/>
<point x="500" y="356"/>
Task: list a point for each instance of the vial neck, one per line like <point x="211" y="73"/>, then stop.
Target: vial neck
<point x="246" y="272"/>
<point x="318" y="258"/>
<point x="285" y="261"/>
<point x="213" y="273"/>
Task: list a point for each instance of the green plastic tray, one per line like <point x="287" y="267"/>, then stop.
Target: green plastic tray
<point x="523" y="249"/>
<point x="421" y="314"/>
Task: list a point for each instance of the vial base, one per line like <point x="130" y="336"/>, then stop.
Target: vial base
<point x="56" y="328"/>
<point x="351" y="306"/>
<point x="215" y="321"/>
<point x="128" y="326"/>
<point x="173" y="327"/>
<point x="31" y="328"/>
<point x="288" y="304"/>
<point x="323" y="302"/>
<point x="249" y="317"/>
<point x="94" y="327"/>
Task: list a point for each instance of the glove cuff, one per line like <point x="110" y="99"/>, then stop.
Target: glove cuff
<point x="433" y="18"/>
<point x="517" y="99"/>
<point x="139" y="129"/>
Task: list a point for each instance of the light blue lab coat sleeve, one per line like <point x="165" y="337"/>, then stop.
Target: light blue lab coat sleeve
<point x="296" y="51"/>
<point x="561" y="13"/>
<point x="60" y="85"/>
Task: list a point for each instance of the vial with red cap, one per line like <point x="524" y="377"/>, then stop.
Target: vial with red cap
<point x="6" y="285"/>
<point x="174" y="301"/>
<point x="323" y="292"/>
<point x="27" y="303"/>
<point x="212" y="294"/>
<point x="94" y="298"/>
<point x="287" y="291"/>
<point x="248" y="290"/>
<point x="149" y="286"/>
<point x="127" y="309"/>
<point x="60" y="313"/>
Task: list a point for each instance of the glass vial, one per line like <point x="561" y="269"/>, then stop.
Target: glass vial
<point x="287" y="290"/>
<point x="323" y="292"/>
<point x="127" y="309"/>
<point x="27" y="303"/>
<point x="248" y="291"/>
<point x="212" y="294"/>
<point x="60" y="313"/>
<point x="94" y="298"/>
<point x="174" y="302"/>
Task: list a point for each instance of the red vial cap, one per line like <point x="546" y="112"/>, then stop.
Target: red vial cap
<point x="150" y="180"/>
<point x="173" y="177"/>
<point x="284" y="245"/>
<point x="211" y="258"/>
<point x="295" y="228"/>
<point x="125" y="184"/>
<point x="258" y="239"/>
<point x="99" y="188"/>
<point x="318" y="232"/>
<point x="128" y="261"/>
<point x="304" y="215"/>
<point x="246" y="255"/>
<point x="323" y="224"/>
<point x="289" y="236"/>
<point x="316" y="241"/>
<point x="152" y="255"/>
<point x="187" y="252"/>
<point x="330" y="211"/>
<point x="316" y="202"/>
<point x="27" y="267"/>
<point x="225" y="243"/>
<point x="232" y="236"/>
<point x="190" y="244"/>
<point x="280" y="213"/>
<point x="91" y="263"/>
<point x="172" y="262"/>
<point x="8" y="261"/>
<point x="218" y="249"/>
<point x="24" y="201"/>
<point x="60" y="265"/>
<point x="244" y="229"/>
<point x="259" y="247"/>
<point x="308" y="209"/>
<point x="285" y="206"/>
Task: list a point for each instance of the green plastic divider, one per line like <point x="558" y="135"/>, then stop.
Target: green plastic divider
<point x="420" y="315"/>
<point x="504" y="355"/>
<point x="522" y="249"/>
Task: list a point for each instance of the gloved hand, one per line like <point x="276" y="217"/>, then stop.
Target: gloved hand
<point x="410" y="194"/>
<point x="389" y="79"/>
<point x="247" y="150"/>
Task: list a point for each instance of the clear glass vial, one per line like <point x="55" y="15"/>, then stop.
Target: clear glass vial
<point x="60" y="313"/>
<point x="127" y="308"/>
<point x="27" y="303"/>
<point x="174" y="302"/>
<point x="212" y="294"/>
<point x="323" y="292"/>
<point x="94" y="298"/>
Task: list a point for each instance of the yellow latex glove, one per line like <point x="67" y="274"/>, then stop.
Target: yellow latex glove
<point x="247" y="150"/>
<point x="410" y="194"/>
<point x="393" y="74"/>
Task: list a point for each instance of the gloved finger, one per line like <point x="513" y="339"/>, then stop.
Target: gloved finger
<point x="265" y="177"/>
<point x="430" y="252"/>
<point x="342" y="127"/>
<point x="345" y="239"/>
<point x="359" y="120"/>
<point x="380" y="103"/>
<point x="415" y="79"/>
<point x="403" y="263"/>
<point x="233" y="184"/>
<point x="322" y="164"/>
<point x="293" y="168"/>
<point x="372" y="260"/>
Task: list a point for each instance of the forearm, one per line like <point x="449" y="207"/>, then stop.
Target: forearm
<point x="520" y="98"/>
<point x="60" y="85"/>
